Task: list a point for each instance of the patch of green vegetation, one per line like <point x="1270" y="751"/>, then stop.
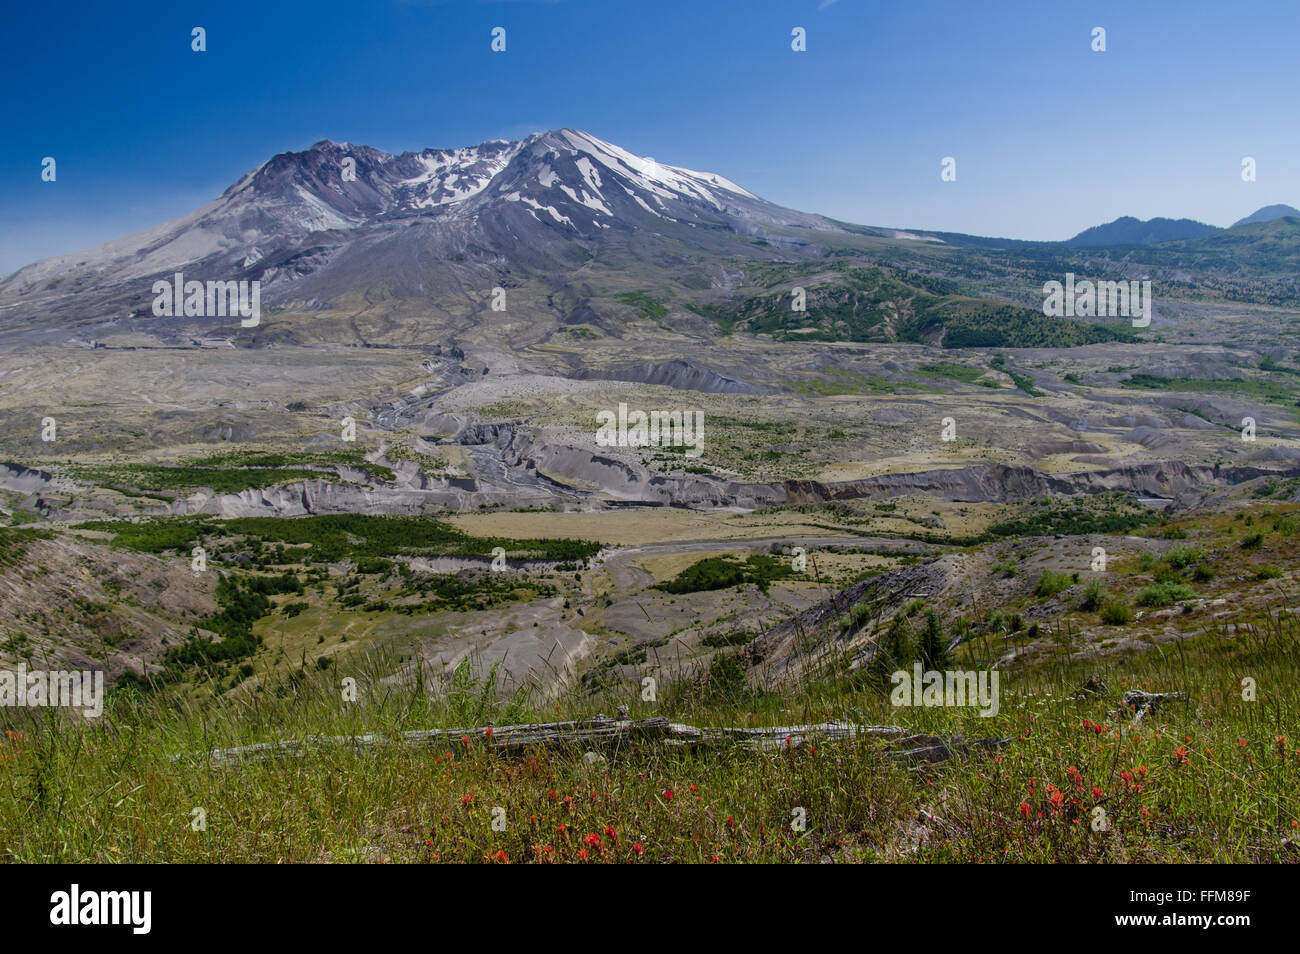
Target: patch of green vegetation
<point x="885" y="303"/>
<point x="1092" y="597"/>
<point x="1287" y="524"/>
<point x="1025" y="383"/>
<point x="18" y="518"/>
<point x="274" y="459"/>
<point x="151" y="477"/>
<point x="1268" y="364"/>
<point x="1112" y="514"/>
<point x="333" y="537"/>
<point x="1164" y="594"/>
<point x="954" y="372"/>
<point x="1259" y="389"/>
<point x="718" y="573"/>
<point x="718" y="640"/>
<point x="242" y="603"/>
<point x="1181" y="557"/>
<point x="1007" y="568"/>
<point x="151" y="536"/>
<point x="468" y="591"/>
<point x="1195" y="412"/>
<point x="843" y="382"/>
<point x="1115" y="613"/>
<point x="1050" y="583"/>
<point x="979" y="323"/>
<point x="645" y="303"/>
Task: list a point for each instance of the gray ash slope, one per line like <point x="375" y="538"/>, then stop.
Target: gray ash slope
<point x="415" y="225"/>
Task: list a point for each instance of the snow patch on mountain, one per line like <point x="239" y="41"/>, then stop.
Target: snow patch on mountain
<point x="449" y="176"/>
<point x="651" y="175"/>
<point x="589" y="201"/>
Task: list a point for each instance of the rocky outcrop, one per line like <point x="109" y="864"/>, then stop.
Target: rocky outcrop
<point x="676" y="374"/>
<point x="997" y="483"/>
<point x="514" y="466"/>
<point x="624" y="479"/>
<point x="30" y="480"/>
<point x="983" y="482"/>
<point x="788" y="647"/>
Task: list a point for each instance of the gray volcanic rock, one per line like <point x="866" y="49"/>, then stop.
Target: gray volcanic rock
<point x="998" y="483"/>
<point x="981" y="482"/>
<point x="1151" y="437"/>
<point x="1048" y="448"/>
<point x="620" y="478"/>
<point x="677" y="374"/>
<point x="30" y="480"/>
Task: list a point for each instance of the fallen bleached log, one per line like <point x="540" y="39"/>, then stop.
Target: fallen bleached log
<point x="602" y="731"/>
<point x="1145" y="702"/>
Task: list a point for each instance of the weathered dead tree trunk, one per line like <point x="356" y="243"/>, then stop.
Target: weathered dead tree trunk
<point x="604" y="732"/>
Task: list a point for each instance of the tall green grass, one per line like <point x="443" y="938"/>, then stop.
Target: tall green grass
<point x="1211" y="778"/>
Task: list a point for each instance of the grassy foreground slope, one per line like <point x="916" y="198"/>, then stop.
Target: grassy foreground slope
<point x="1214" y="778"/>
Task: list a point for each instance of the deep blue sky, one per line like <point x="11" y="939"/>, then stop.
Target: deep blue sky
<point x="1049" y="136"/>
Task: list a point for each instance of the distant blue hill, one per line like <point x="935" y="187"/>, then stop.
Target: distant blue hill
<point x="1130" y="231"/>
<point x="1267" y="214"/>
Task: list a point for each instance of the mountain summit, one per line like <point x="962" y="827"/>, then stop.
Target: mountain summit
<point x="317" y="223"/>
<point x="1128" y="230"/>
<point x="1267" y="214"/>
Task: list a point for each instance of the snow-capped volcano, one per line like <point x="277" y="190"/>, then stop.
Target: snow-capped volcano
<point x="551" y="174"/>
<point x="318" y="222"/>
